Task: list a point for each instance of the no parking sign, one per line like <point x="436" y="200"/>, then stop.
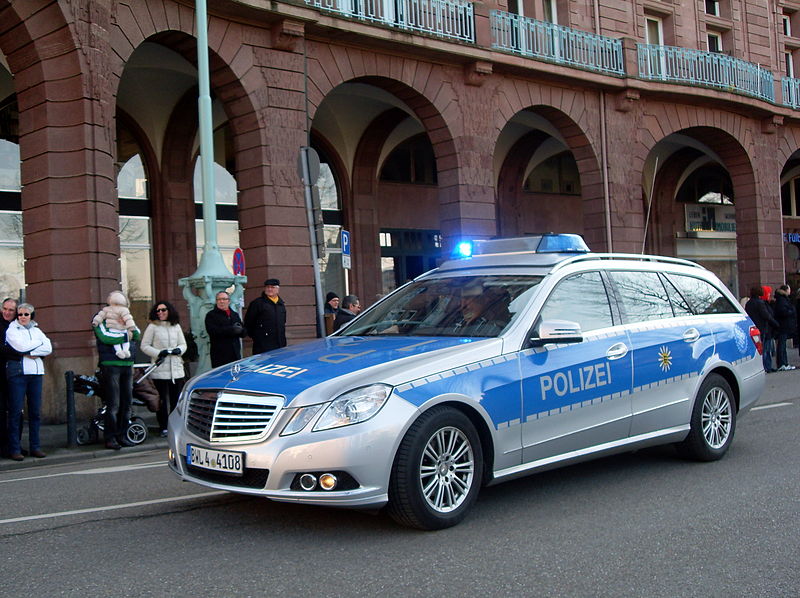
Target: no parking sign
<point x="238" y="261"/>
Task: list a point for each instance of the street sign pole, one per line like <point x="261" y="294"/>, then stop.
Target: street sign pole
<point x="309" y="157"/>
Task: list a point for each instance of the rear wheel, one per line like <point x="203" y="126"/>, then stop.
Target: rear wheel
<point x="713" y="421"/>
<point x="437" y="471"/>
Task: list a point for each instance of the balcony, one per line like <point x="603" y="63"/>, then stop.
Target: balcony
<point x="706" y="69"/>
<point x="555" y="43"/>
<point x="790" y="90"/>
<point x="450" y="19"/>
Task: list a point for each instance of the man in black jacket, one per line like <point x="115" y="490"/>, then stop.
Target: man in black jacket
<point x="225" y="330"/>
<point x="762" y="317"/>
<point x="265" y="319"/>
<point x="348" y="309"/>
<point x="6" y="352"/>
<point x="786" y="315"/>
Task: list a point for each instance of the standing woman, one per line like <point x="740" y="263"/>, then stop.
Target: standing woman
<point x="25" y="376"/>
<point x="163" y="337"/>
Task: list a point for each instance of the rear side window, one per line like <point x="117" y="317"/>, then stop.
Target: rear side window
<point x="703" y="296"/>
<point x="641" y="295"/>
<point x="680" y="305"/>
<point x="581" y="298"/>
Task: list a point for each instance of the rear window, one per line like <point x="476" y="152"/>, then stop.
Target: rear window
<point x="702" y="296"/>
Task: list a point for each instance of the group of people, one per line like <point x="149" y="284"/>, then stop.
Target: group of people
<point x="343" y="310"/>
<point x="23" y="345"/>
<point x="775" y="316"/>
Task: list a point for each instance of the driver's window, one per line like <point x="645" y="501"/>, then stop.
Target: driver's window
<point x="581" y="298"/>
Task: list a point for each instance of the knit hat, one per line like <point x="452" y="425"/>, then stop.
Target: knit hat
<point x="117" y="298"/>
<point x="330" y="295"/>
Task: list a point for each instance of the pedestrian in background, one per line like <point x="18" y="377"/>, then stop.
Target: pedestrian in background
<point x="265" y="319"/>
<point x="786" y="315"/>
<point x="163" y="340"/>
<point x="25" y="376"/>
<point x="761" y="314"/>
<point x="225" y="331"/>
<point x="331" y="303"/>
<point x="9" y="313"/>
<point x="350" y="307"/>
<point x="116" y="381"/>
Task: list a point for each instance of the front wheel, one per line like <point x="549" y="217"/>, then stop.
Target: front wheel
<point x="713" y="421"/>
<point x="437" y="471"/>
<point x="137" y="431"/>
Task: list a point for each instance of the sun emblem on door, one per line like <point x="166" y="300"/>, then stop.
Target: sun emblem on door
<point x="664" y="358"/>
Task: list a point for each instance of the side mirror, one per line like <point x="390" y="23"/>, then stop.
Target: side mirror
<point x="557" y="331"/>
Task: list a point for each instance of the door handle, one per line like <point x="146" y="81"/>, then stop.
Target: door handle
<point x="617" y="351"/>
<point x="691" y="335"/>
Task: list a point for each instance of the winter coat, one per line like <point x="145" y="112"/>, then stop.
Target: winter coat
<point x="343" y="316"/>
<point x="33" y="343"/>
<point x="786" y="314"/>
<point x="224" y="333"/>
<point x="106" y="339"/>
<point x="163" y="335"/>
<point x="761" y="314"/>
<point x="266" y="324"/>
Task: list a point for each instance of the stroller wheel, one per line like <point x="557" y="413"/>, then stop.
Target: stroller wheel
<point x="86" y="435"/>
<point x="137" y="431"/>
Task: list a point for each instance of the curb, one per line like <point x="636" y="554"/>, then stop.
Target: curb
<point x="86" y="453"/>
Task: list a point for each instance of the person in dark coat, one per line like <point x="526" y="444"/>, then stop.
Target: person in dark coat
<point x="349" y="309"/>
<point x="331" y="303"/>
<point x="786" y="315"/>
<point x="6" y="352"/>
<point x="225" y="331"/>
<point x="761" y="314"/>
<point x="265" y="319"/>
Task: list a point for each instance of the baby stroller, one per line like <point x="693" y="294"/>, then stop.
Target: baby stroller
<point x="136" y="432"/>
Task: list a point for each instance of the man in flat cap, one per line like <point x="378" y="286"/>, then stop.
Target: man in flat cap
<point x="265" y="320"/>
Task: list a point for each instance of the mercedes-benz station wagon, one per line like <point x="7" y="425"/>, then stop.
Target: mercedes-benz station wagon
<point x="526" y="355"/>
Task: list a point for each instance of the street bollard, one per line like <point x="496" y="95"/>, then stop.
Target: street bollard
<point x="72" y="435"/>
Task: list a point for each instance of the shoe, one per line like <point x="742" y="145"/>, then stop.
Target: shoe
<point x="782" y="368"/>
<point x="16" y="457"/>
<point x="164" y="433"/>
<point x="113" y="445"/>
<point x="125" y="442"/>
<point x="38" y="454"/>
<point x="790" y="367"/>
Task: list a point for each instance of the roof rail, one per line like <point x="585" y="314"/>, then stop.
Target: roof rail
<point x="626" y="256"/>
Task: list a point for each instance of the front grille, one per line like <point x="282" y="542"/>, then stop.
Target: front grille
<point x="251" y="478"/>
<point x="223" y="416"/>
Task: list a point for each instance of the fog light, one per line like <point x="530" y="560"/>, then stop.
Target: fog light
<point x="171" y="456"/>
<point x="308" y="482"/>
<point x="327" y="481"/>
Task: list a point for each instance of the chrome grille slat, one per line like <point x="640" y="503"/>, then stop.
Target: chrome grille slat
<point x="224" y="416"/>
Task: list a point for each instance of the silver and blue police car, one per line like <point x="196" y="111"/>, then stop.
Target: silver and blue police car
<point x="526" y="355"/>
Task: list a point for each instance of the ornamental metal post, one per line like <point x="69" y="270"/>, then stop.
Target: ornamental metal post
<point x="212" y="274"/>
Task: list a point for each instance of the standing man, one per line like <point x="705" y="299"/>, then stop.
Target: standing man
<point x="349" y="309"/>
<point x="9" y="315"/>
<point x="225" y="329"/>
<point x="761" y="314"/>
<point x="266" y="318"/>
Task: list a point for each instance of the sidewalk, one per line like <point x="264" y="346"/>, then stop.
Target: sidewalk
<point x="54" y="443"/>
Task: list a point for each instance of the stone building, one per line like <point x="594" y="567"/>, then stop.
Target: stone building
<point x="664" y="126"/>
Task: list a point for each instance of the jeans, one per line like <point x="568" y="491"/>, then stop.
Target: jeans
<point x="117" y="388"/>
<point x="780" y="351"/>
<point x="19" y="386"/>
<point x="766" y="356"/>
<point x="169" y="392"/>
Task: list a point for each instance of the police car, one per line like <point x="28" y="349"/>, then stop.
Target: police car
<point x="525" y="355"/>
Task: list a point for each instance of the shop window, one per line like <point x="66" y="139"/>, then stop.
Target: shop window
<point x="412" y="161"/>
<point x="790" y="196"/>
<point x="710" y="184"/>
<point x="558" y="175"/>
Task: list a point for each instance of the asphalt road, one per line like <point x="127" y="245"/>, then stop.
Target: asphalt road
<point x="643" y="524"/>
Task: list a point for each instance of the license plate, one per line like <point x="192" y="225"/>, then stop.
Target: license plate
<point x="222" y="461"/>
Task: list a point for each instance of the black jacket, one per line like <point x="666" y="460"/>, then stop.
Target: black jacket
<point x="786" y="314"/>
<point x="266" y="324"/>
<point x="343" y="316"/>
<point x="762" y="317"/>
<point x="224" y="333"/>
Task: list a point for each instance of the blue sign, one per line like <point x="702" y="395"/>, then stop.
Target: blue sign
<point x="345" y="242"/>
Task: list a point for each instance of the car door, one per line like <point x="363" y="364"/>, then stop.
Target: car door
<point x="576" y="395"/>
<point x="670" y="346"/>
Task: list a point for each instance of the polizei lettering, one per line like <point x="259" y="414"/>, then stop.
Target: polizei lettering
<point x="575" y="380"/>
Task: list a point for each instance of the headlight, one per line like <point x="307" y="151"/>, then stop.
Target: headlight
<point x="299" y="420"/>
<point x="354" y="407"/>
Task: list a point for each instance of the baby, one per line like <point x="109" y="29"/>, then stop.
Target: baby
<point x="117" y="319"/>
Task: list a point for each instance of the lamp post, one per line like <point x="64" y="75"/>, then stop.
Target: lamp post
<point x="212" y="275"/>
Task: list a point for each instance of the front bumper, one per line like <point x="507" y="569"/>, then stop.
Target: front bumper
<point x="365" y="451"/>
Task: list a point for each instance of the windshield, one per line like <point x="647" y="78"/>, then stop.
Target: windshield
<point x="481" y="306"/>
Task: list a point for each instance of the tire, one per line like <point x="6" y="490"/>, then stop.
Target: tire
<point x="437" y="471"/>
<point x="86" y="435"/>
<point x="137" y="431"/>
<point x="713" y="421"/>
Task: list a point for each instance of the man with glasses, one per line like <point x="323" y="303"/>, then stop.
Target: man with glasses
<point x="9" y="314"/>
<point x="349" y="309"/>
<point x="225" y="330"/>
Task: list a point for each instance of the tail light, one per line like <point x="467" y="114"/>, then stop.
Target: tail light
<point x="755" y="336"/>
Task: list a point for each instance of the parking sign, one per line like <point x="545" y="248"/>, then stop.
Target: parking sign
<point x="346" y="249"/>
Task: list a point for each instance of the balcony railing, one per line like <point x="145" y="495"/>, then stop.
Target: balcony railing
<point x="556" y="43"/>
<point x="451" y="19"/>
<point x="790" y="90"/>
<point x="695" y="67"/>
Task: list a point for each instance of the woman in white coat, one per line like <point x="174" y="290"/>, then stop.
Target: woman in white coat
<point x="163" y="337"/>
<point x="25" y="373"/>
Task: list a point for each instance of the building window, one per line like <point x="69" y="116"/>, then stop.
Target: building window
<point x="557" y="175"/>
<point x="225" y="198"/>
<point x="412" y="161"/>
<point x="786" y="24"/>
<point x="788" y="62"/>
<point x="714" y="42"/>
<point x="790" y="194"/>
<point x="654" y="31"/>
<point x="712" y="8"/>
<point x="549" y="11"/>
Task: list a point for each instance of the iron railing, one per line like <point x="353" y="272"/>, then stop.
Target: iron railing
<point x="451" y="19"/>
<point x="556" y="43"/>
<point x="790" y="91"/>
<point x="707" y="69"/>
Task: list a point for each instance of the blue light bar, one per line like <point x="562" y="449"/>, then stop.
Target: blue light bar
<point x="547" y="243"/>
<point x="463" y="249"/>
